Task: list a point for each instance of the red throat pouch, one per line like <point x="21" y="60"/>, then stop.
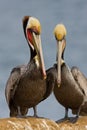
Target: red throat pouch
<point x="29" y="35"/>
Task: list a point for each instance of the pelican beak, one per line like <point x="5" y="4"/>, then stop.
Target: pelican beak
<point x="38" y="47"/>
<point x="60" y="33"/>
<point x="59" y="59"/>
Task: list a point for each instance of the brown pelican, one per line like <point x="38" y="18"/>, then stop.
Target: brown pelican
<point x="70" y="87"/>
<point x="27" y="84"/>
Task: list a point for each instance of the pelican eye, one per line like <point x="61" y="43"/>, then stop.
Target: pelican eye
<point x="34" y="30"/>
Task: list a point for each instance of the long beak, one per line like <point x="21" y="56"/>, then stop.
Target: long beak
<point x="59" y="55"/>
<point x="38" y="47"/>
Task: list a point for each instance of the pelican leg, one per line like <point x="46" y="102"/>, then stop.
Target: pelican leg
<point x="15" y="112"/>
<point x="74" y="119"/>
<point x="20" y="115"/>
<point x="19" y="112"/>
<point x="35" y="111"/>
<point x="66" y="113"/>
<point x="65" y="117"/>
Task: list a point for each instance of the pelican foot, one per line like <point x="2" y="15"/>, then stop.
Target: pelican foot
<point x="35" y="115"/>
<point x="73" y="119"/>
<point x="21" y="116"/>
<point x="62" y="120"/>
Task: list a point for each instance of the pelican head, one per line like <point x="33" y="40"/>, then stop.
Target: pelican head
<point x="32" y="31"/>
<point x="60" y="33"/>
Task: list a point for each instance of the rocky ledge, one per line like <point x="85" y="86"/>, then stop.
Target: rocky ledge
<point x="31" y="123"/>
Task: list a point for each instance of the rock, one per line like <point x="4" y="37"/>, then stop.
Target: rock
<point x="81" y="124"/>
<point x="31" y="123"/>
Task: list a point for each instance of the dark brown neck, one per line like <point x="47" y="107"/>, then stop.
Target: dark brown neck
<point x="33" y="53"/>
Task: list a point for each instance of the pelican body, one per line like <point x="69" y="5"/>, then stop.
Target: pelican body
<point x="70" y="87"/>
<point x="27" y="85"/>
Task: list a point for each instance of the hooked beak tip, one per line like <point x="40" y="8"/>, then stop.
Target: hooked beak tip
<point x="59" y="83"/>
<point x="44" y="77"/>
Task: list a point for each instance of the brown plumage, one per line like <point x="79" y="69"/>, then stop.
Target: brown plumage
<point x="27" y="85"/>
<point x="70" y="87"/>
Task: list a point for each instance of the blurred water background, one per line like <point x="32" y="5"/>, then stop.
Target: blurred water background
<point x="14" y="49"/>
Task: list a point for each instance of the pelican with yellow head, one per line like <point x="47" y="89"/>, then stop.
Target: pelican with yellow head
<point x="70" y="86"/>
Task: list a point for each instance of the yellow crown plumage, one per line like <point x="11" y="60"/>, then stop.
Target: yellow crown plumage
<point x="34" y="23"/>
<point x="60" y="31"/>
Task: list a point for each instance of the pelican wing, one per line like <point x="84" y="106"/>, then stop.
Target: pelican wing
<point x="13" y="81"/>
<point x="80" y="79"/>
<point x="82" y="83"/>
<point x="50" y="81"/>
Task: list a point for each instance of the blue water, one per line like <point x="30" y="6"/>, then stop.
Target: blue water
<point x="14" y="49"/>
